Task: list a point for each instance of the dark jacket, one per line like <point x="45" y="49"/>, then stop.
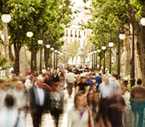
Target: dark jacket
<point x="34" y="106"/>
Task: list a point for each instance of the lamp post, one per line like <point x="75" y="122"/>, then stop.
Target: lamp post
<point x="104" y="65"/>
<point x="29" y="34"/>
<point x="46" y="55"/>
<point x="122" y="36"/>
<point x="6" y="18"/>
<point x="111" y="44"/>
<point x="95" y="59"/>
<point x="52" y="57"/>
<point x="40" y="42"/>
<point x="92" y="59"/>
<point x="99" y="53"/>
<point x="55" y="59"/>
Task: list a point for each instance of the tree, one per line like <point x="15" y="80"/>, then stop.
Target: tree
<point x="45" y="18"/>
<point x="141" y="40"/>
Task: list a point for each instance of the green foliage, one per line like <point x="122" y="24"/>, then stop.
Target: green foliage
<point x="109" y="16"/>
<point x="45" y="18"/>
<point x="3" y="61"/>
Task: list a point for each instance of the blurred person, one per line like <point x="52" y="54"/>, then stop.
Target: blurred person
<point x="93" y="100"/>
<point x="125" y="92"/>
<point x="102" y="119"/>
<point x="138" y="105"/>
<point x="128" y="114"/>
<point x="80" y="115"/>
<point x="28" y="82"/>
<point x="82" y="85"/>
<point x="107" y="88"/>
<point x="70" y="80"/>
<point x="39" y="101"/>
<point x="115" y="81"/>
<point x="22" y="99"/>
<point x="98" y="80"/>
<point x="10" y="115"/>
<point x="116" y="110"/>
<point x="56" y="100"/>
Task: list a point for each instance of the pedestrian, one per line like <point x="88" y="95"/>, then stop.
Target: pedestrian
<point x="39" y="101"/>
<point x="106" y="88"/>
<point x="70" y="80"/>
<point x="80" y="115"/>
<point x="116" y="110"/>
<point x="56" y="100"/>
<point x="10" y="115"/>
<point x="138" y="105"/>
<point x="102" y="119"/>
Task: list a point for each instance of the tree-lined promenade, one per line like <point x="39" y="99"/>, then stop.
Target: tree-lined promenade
<point x="46" y="19"/>
<point x="114" y="17"/>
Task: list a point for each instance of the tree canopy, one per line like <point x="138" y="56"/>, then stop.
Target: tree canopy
<point x="109" y="16"/>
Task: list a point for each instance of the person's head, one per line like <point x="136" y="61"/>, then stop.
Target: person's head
<point x="80" y="100"/>
<point x="41" y="78"/>
<point x="116" y="76"/>
<point x="105" y="79"/>
<point x="83" y="79"/>
<point x="124" y="86"/>
<point x="9" y="101"/>
<point x="139" y="82"/>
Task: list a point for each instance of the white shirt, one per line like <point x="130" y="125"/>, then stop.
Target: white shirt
<point x="8" y="118"/>
<point x="39" y="94"/>
<point x="107" y="90"/>
<point x="74" y="119"/>
<point x="70" y="77"/>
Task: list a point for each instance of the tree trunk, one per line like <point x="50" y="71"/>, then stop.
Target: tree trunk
<point x="17" y="48"/>
<point x="33" y="60"/>
<point x="11" y="56"/>
<point x="46" y="56"/>
<point x="141" y="47"/>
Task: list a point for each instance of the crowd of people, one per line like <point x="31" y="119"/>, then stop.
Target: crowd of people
<point x="88" y="98"/>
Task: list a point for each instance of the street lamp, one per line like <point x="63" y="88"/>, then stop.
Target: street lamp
<point x="40" y="42"/>
<point x="6" y="18"/>
<point x="29" y="34"/>
<point x="111" y="44"/>
<point x="122" y="37"/>
<point x="142" y="21"/>
<point x="47" y="46"/>
<point x="52" y="49"/>
<point x="104" y="66"/>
